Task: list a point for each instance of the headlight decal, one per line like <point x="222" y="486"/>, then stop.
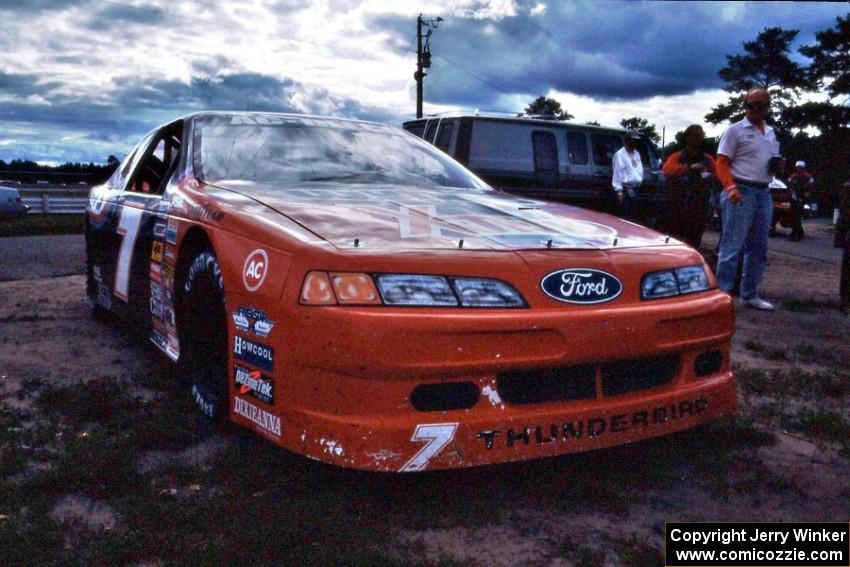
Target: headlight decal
<point x="404" y="289"/>
<point x="677" y="281"/>
<point x="482" y="292"/>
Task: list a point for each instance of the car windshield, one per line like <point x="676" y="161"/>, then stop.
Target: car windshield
<point x="290" y="150"/>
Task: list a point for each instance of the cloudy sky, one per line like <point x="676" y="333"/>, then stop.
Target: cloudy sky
<point x="82" y="79"/>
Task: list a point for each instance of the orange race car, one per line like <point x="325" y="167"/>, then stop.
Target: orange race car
<point x="351" y="293"/>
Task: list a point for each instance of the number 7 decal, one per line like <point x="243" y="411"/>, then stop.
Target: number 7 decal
<point x="438" y="436"/>
<point x="128" y="227"/>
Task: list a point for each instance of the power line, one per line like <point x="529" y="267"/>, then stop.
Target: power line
<point x="480" y="78"/>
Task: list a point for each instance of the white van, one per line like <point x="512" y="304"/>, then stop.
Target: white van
<point x="545" y="158"/>
<point x="11" y="205"/>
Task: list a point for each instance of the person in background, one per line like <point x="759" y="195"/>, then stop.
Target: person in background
<point x="747" y="157"/>
<point x="800" y="182"/>
<point x="628" y="175"/>
<point x="692" y="176"/>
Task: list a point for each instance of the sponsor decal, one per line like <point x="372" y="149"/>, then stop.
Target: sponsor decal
<point x="171" y="231"/>
<point x="254" y="383"/>
<point x="594" y="427"/>
<point x="581" y="286"/>
<point x="263" y="327"/>
<point x="172" y="348"/>
<point x="204" y="212"/>
<point x="156" y="273"/>
<point x="241" y="322"/>
<point x="259" y="355"/>
<point x="164" y="344"/>
<point x="436" y="437"/>
<point x="255" y="269"/>
<point x="159" y="230"/>
<point x="206" y="407"/>
<point x="156" y="251"/>
<point x="156" y="292"/>
<point x="248" y="319"/>
<point x="170" y="254"/>
<point x="157" y="309"/>
<point x="259" y="417"/>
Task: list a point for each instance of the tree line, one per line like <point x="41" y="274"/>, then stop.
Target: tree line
<point x="766" y="62"/>
<point x="28" y="171"/>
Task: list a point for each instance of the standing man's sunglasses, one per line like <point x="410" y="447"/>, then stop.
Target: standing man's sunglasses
<point x="758" y="105"/>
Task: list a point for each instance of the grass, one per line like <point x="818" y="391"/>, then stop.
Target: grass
<point x="811" y="305"/>
<point x="805" y="352"/>
<point x="821" y="424"/>
<point x="636" y="553"/>
<point x="794" y="383"/>
<point x="582" y="556"/>
<point x="32" y="225"/>
<point x="765" y="351"/>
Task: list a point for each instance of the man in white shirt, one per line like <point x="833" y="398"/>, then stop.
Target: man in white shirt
<point x="747" y="158"/>
<point x="628" y="175"/>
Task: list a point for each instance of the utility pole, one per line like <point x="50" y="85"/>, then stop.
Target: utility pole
<point x="423" y="56"/>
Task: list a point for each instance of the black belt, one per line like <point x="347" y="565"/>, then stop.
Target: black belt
<point x="757" y="184"/>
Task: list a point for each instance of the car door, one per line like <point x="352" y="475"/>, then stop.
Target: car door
<point x="139" y="227"/>
<point x="580" y="182"/>
<point x="545" y="149"/>
<point x="104" y="243"/>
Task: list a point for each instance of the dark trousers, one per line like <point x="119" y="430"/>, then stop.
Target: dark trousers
<point x="687" y="213"/>
<point x="797" y="217"/>
<point x="628" y="207"/>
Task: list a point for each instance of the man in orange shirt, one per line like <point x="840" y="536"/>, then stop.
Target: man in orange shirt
<point x="800" y="182"/>
<point x="692" y="176"/>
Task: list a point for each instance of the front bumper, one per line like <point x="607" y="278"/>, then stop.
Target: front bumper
<point x="346" y="384"/>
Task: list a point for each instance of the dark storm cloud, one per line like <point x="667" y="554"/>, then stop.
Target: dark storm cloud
<point x="605" y="50"/>
<point x="37" y="5"/>
<point x="24" y="84"/>
<point x="110" y="14"/>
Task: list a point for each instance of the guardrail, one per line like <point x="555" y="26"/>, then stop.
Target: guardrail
<point x="55" y="201"/>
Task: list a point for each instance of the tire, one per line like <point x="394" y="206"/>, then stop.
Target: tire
<point x="95" y="310"/>
<point x="202" y="326"/>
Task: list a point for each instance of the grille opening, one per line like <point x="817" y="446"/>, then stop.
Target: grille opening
<point x="628" y="376"/>
<point x="444" y="397"/>
<point x="547" y="385"/>
<point x="708" y="363"/>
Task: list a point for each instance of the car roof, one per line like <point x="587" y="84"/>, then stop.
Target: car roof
<point x="206" y="113"/>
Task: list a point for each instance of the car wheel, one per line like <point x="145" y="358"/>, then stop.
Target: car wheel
<point x="203" y="336"/>
<point x="93" y="306"/>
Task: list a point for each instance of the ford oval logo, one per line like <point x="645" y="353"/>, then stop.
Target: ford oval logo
<point x="581" y="285"/>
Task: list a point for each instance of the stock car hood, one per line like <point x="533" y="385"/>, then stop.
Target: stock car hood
<point x="404" y="217"/>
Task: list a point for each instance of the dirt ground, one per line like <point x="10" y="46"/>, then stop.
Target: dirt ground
<point x="102" y="461"/>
